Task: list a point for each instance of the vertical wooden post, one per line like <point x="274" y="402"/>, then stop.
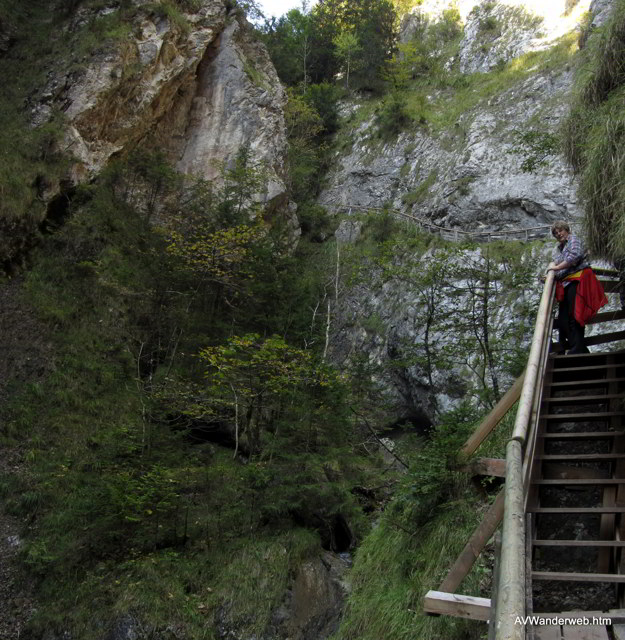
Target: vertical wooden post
<point x="511" y="592"/>
<point x="495" y="587"/>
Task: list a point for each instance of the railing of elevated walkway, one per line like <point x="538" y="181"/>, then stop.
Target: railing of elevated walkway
<point x="524" y="234"/>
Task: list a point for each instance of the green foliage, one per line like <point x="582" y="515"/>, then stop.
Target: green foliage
<point x="392" y="117"/>
<point x="117" y="481"/>
<point x="535" y="146"/>
<point x="323" y="98"/>
<point x="594" y="134"/>
<point x="314" y="46"/>
<point x="419" y="534"/>
<point x="347" y="50"/>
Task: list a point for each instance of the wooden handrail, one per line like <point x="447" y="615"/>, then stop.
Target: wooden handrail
<point x="511" y="589"/>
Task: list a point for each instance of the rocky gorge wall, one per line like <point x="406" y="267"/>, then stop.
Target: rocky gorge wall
<point x="197" y="85"/>
<point x="463" y="174"/>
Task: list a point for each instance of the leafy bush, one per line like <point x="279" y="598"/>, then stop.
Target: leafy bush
<point x="392" y="117"/>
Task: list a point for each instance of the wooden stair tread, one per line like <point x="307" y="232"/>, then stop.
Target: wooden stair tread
<point x="588" y="510"/>
<point x="607" y="316"/>
<point x="578" y="577"/>
<point x="582" y="399"/>
<point x="578" y="543"/>
<point x="602" y="338"/>
<point x="577" y="383"/>
<point x="582" y="456"/>
<point x="594" y="367"/>
<point x="581" y="434"/>
<point x="579" y="481"/>
<point x="582" y="417"/>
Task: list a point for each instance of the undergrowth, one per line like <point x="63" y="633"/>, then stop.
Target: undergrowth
<point x="138" y="505"/>
<point x="594" y="134"/>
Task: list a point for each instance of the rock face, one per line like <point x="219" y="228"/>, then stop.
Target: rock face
<point x="313" y="607"/>
<point x="463" y="175"/>
<point x="466" y="177"/>
<point x="224" y="118"/>
<point x="398" y="344"/>
<point x="203" y="91"/>
<point x="600" y="10"/>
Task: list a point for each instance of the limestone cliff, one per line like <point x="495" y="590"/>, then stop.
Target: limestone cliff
<point x="197" y="84"/>
<point x="461" y="174"/>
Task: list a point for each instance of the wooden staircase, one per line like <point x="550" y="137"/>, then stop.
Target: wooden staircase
<point x="575" y="530"/>
<point x="561" y="558"/>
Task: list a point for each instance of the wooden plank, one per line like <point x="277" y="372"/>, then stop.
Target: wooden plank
<point x="487" y="467"/>
<point x="618" y="630"/>
<point x="530" y="532"/>
<point x="584" y="632"/>
<point x="556" y="470"/>
<point x="577" y="577"/>
<point x="585" y="383"/>
<point x="492" y="419"/>
<point x="582" y="417"/>
<point x="579" y="543"/>
<point x="583" y="399"/>
<point x="607" y="316"/>
<point x="592" y="457"/>
<point x="590" y="367"/>
<point x="492" y="628"/>
<point x="565" y="510"/>
<point x="474" y="546"/>
<point x="581" y="481"/>
<point x="459" y="606"/>
<point x="606" y="530"/>
<point x="604" y="338"/>
<point x="548" y="632"/>
<point x="618" y="623"/>
<point x="604" y="271"/>
<point x="582" y="434"/>
<point x="610" y="286"/>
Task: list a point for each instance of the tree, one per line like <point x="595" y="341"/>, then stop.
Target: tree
<point x="290" y="44"/>
<point x="249" y="380"/>
<point x="348" y="48"/>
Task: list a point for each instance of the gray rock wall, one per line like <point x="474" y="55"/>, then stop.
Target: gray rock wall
<point x="200" y="92"/>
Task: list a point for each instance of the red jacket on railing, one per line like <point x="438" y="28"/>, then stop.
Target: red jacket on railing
<point x="589" y="298"/>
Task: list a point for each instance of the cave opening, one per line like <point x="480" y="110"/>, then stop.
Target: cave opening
<point x="58" y="210"/>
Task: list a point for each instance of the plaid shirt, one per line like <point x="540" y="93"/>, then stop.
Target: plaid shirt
<point x="571" y="251"/>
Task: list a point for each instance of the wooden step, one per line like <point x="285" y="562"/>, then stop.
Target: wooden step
<point x="611" y="286"/>
<point x="585" y="399"/>
<point x="602" y="339"/>
<point x="592" y="457"/>
<point x="607" y="316"/>
<point x="579" y="481"/>
<point x="578" y="577"/>
<point x="578" y="543"/>
<point x="604" y="271"/>
<point x="581" y="435"/>
<point x="582" y="417"/>
<point x="583" y="383"/>
<point x="594" y="367"/>
<point x="569" y="510"/>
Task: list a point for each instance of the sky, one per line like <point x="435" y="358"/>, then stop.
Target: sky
<point x="278" y="8"/>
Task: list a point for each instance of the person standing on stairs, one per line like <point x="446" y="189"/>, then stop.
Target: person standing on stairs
<point x="578" y="291"/>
